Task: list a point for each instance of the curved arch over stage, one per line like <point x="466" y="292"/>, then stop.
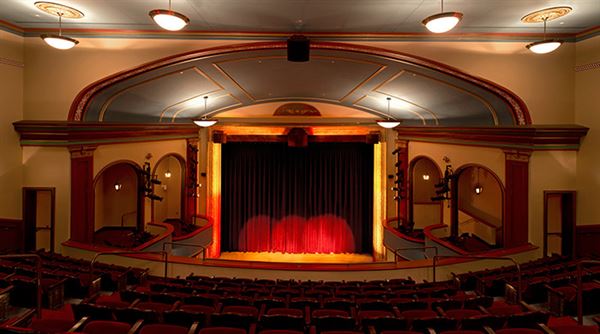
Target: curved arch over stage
<point x="349" y="75"/>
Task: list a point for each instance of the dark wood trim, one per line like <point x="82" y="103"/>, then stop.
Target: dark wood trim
<point x="17" y="241"/>
<point x="64" y="133"/>
<point x="52" y="226"/>
<point x="532" y="137"/>
<point x="575" y="229"/>
<point x="218" y="138"/>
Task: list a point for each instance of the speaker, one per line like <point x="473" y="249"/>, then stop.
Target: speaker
<point x="298" y="48"/>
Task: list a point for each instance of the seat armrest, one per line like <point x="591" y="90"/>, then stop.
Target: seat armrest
<point x="79" y="324"/>
<point x="136" y="327"/>
<point x="546" y="329"/>
<point x="194" y="327"/>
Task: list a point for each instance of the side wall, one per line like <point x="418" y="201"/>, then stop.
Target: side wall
<point x="11" y="109"/>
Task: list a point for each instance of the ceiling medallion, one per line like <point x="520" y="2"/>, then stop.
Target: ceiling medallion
<point x="296" y="109"/>
<point x="547" y="14"/>
<point x="57" y="9"/>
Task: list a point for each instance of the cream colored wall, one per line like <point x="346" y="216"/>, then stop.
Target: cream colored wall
<point x="136" y="152"/>
<point x="51" y="167"/>
<point x="553" y="170"/>
<point x="11" y="110"/>
<point x="587" y="113"/>
<point x="459" y="155"/>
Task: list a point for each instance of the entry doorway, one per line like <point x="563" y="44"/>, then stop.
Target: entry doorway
<point x="38" y="218"/>
<point x="559" y="223"/>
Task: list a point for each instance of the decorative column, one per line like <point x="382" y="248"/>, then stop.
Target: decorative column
<point x="402" y="169"/>
<point x="516" y="209"/>
<point x="82" y="193"/>
<point x="191" y="179"/>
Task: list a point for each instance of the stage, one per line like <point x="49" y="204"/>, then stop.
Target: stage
<point x="297" y="258"/>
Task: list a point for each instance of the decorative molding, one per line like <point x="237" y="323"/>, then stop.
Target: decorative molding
<point x="63" y="133"/>
<point x="521" y="138"/>
<point x="81" y="151"/>
<point x="587" y="67"/>
<point x="521" y="156"/>
<point x="10" y="62"/>
<point x="82" y="100"/>
<point x="296" y="109"/>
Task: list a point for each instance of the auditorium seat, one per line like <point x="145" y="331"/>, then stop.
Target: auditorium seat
<point x="280" y="331"/>
<point x="51" y="326"/>
<point x="281" y="321"/>
<point x="519" y="331"/>
<point x="222" y="330"/>
<point x="106" y="327"/>
<point x="165" y="329"/>
<point x="574" y="329"/>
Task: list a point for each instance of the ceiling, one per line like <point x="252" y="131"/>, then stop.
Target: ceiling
<point x="337" y="74"/>
<point x="307" y="16"/>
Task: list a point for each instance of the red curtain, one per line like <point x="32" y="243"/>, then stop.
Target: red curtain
<point x="316" y="199"/>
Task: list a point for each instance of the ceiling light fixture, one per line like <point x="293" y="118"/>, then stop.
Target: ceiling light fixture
<point x="545" y="15"/>
<point x="205" y="122"/>
<point x="389" y="123"/>
<point x="168" y="174"/>
<point x="442" y="22"/>
<point x="59" y="41"/>
<point x="169" y="19"/>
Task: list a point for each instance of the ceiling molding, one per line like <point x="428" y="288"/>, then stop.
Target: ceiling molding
<point x="539" y="138"/>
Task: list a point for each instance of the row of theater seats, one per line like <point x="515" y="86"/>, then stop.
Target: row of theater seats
<point x="200" y="305"/>
<point x="551" y="280"/>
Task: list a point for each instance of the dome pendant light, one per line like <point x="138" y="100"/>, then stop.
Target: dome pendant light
<point x="205" y="122"/>
<point x="389" y="123"/>
<point x="59" y="41"/>
<point x="442" y="22"/>
<point x="169" y="19"/>
<point x="545" y="15"/>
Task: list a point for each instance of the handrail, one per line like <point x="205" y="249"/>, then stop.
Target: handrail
<point x="38" y="280"/>
<point x="97" y="255"/>
<point x="124" y="215"/>
<point x="415" y="248"/>
<point x="580" y="288"/>
<point x="185" y="244"/>
<point x="500" y="258"/>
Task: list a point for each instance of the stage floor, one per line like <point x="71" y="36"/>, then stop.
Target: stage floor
<point x="297" y="258"/>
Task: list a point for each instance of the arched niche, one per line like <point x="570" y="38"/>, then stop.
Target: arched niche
<point x="117" y="198"/>
<point x="424" y="174"/>
<point x="170" y="170"/>
<point x="480" y="204"/>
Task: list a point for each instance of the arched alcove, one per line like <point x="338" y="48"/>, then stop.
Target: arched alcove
<point x="480" y="204"/>
<point x="117" y="196"/>
<point x="424" y="174"/>
<point x="170" y="170"/>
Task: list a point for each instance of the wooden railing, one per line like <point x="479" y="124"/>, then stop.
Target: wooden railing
<point x="38" y="280"/>
<point x="202" y="248"/>
<point x="479" y="257"/>
<point x="424" y="248"/>
<point x="97" y="255"/>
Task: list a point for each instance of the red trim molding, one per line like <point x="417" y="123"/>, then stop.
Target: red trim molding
<point x="516" y="210"/>
<point x="82" y="193"/>
<point x="533" y="137"/>
<point x="63" y="133"/>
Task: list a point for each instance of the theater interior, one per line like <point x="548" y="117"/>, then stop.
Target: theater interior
<point x="298" y="166"/>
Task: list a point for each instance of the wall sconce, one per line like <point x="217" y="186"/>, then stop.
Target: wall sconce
<point x="426" y="177"/>
<point x="168" y="174"/>
<point x="117" y="186"/>
<point x="478" y="189"/>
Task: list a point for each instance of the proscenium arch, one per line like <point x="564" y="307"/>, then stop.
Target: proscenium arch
<point x="182" y="166"/>
<point x="140" y="196"/>
<point x="474" y="166"/>
<point x="516" y="106"/>
<point x="411" y="171"/>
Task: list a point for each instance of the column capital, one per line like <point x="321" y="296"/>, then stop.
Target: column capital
<point x="518" y="155"/>
<point x="82" y="151"/>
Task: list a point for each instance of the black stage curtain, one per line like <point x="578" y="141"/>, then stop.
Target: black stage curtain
<point x="316" y="199"/>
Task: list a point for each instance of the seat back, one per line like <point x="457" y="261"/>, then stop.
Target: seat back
<point x="104" y="327"/>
